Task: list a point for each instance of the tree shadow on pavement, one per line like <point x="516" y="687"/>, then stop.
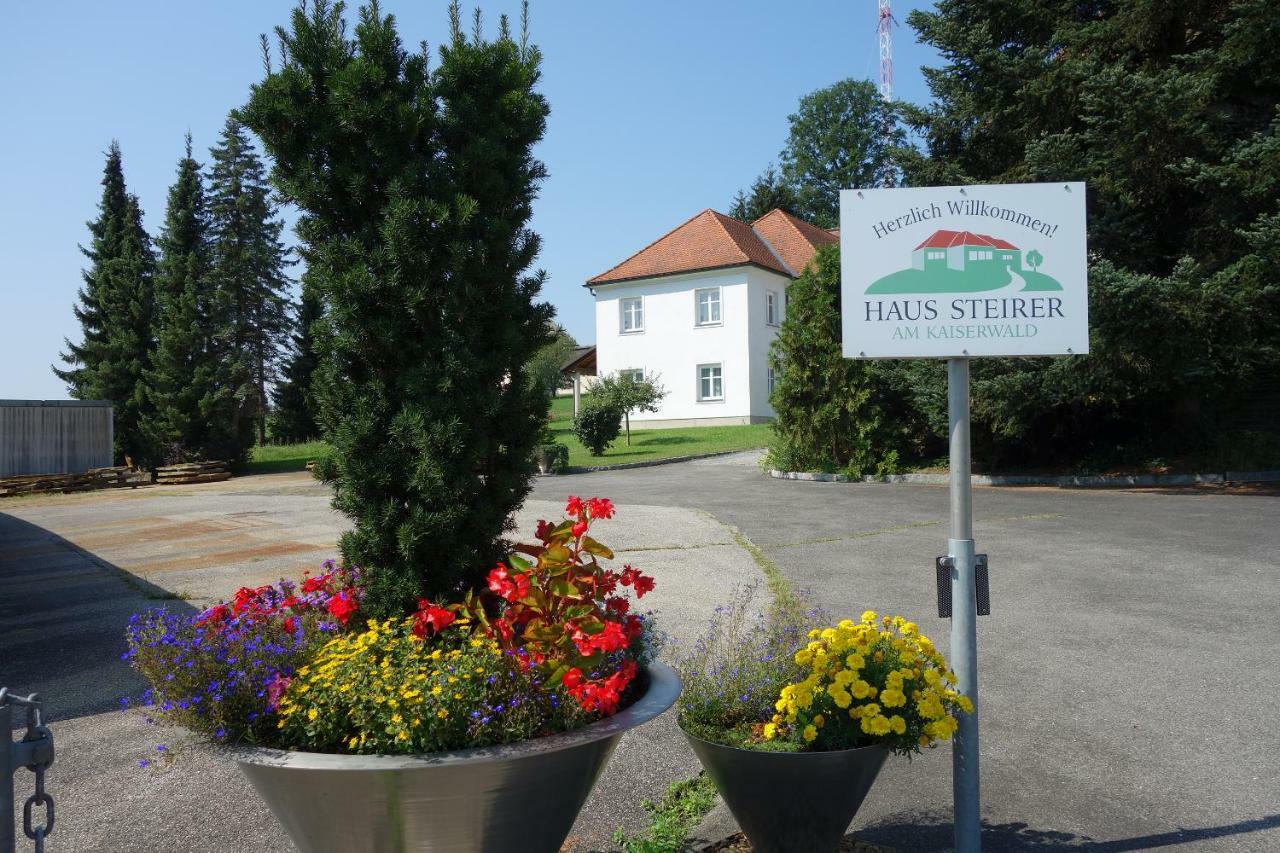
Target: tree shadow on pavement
<point x="932" y="831"/>
<point x="63" y="613"/>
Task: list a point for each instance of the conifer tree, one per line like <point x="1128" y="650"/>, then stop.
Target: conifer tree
<point x="293" y="416"/>
<point x="827" y="418"/>
<point x="184" y="367"/>
<point x="249" y="263"/>
<point x="115" y="314"/>
<point x="415" y="188"/>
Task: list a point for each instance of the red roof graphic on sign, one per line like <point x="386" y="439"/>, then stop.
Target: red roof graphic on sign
<point x="947" y="239"/>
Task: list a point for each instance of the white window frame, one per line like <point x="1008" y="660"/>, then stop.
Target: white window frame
<point x="772" y="314"/>
<point x="638" y="372"/>
<point x="718" y="366"/>
<point x="623" y="302"/>
<point x="772" y="379"/>
<point x="718" y="302"/>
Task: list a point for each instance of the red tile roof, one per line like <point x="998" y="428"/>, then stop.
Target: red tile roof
<point x="946" y="239"/>
<point x="791" y="238"/>
<point x="777" y="241"/>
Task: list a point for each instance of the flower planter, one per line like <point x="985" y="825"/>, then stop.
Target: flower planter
<point x="791" y="802"/>
<point x="516" y="797"/>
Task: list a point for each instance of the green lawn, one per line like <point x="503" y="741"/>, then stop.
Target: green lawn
<point x="272" y="458"/>
<point x="646" y="445"/>
<point x="653" y="444"/>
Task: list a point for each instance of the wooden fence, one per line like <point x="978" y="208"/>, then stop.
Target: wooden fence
<point x="54" y="436"/>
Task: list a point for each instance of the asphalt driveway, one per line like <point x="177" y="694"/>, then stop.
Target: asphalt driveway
<point x="1127" y="673"/>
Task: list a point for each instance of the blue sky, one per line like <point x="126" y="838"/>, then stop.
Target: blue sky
<point x="659" y="109"/>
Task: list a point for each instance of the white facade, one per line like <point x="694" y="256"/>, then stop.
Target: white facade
<point x="683" y="353"/>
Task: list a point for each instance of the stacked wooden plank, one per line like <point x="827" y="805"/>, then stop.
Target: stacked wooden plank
<point x="193" y="472"/>
<point x="94" y="478"/>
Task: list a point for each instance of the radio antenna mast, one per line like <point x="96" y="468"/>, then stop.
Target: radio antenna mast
<point x="885" y="29"/>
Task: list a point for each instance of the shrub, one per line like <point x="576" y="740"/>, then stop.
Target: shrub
<point x="553" y="458"/>
<point x="626" y="394"/>
<point x="387" y="690"/>
<point x="597" y="426"/>
<point x="733" y="674"/>
<point x="879" y="681"/>
<point x="414" y="179"/>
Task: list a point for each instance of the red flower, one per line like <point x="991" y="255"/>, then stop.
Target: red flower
<point x="579" y="528"/>
<point x="573" y="506"/>
<point x="430" y="617"/>
<point x="571" y="679"/>
<point x="291" y="624"/>
<point x="509" y="586"/>
<point x="611" y="639"/>
<point x="617" y="605"/>
<point x="342" y="606"/>
<point x="310" y="584"/>
<point x="504" y="629"/>
<point x="633" y="578"/>
<point x="600" y="507"/>
<point x="634" y="626"/>
<point x="215" y="615"/>
<point x="608" y="582"/>
<point x="544" y="529"/>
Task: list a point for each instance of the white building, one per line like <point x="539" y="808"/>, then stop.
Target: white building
<point x="698" y="309"/>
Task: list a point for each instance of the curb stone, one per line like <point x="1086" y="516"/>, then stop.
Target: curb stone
<point x="648" y="463"/>
<point x="1104" y="480"/>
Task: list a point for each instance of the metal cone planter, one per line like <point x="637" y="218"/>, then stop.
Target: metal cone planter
<point x="791" y="802"/>
<point x="515" y="798"/>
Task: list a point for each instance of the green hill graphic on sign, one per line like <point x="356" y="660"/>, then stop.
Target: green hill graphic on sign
<point x="964" y="262"/>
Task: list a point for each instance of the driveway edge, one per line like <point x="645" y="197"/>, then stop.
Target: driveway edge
<point x="1086" y="480"/>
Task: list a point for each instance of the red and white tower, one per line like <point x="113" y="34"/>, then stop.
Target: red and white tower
<point x="884" y="28"/>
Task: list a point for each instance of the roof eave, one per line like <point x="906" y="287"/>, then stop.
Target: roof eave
<point x="735" y="265"/>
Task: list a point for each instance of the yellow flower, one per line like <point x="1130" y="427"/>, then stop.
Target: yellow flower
<point x="898" y="725"/>
<point x="312" y="714"/>
<point x="770" y="731"/>
<point x="855" y="661"/>
<point x="869" y="616"/>
<point x="809" y="734"/>
<point x="892" y="698"/>
<point x="966" y="704"/>
<point x="819" y="720"/>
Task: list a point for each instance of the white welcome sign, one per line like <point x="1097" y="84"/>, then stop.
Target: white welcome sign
<point x="955" y="272"/>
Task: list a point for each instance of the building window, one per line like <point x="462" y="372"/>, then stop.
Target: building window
<point x="771" y="308"/>
<point x="773" y="377"/>
<point x="710" y="382"/>
<point x="632" y="314"/>
<point x="636" y="373"/>
<point x="935" y="256"/>
<point x="708" y="300"/>
<point x="980" y="254"/>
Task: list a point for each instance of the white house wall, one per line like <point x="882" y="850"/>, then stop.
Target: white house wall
<point x="673" y="346"/>
<point x="762" y="335"/>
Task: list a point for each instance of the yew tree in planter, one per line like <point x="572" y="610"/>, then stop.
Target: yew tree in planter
<point x="415" y="182"/>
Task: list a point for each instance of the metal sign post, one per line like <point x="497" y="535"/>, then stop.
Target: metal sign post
<point x="959" y="273"/>
<point x="964" y="612"/>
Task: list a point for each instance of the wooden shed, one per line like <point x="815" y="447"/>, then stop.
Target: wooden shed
<point x="54" y="436"/>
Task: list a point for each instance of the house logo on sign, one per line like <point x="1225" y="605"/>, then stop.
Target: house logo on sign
<point x="965" y="262"/>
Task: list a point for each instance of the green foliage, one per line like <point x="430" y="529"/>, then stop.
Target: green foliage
<point x="1170" y="115"/>
<point x="414" y="186"/>
<point x="827" y="416"/>
<point x="115" y="313"/>
<point x="767" y="192"/>
<point x="184" y="367"/>
<point x="293" y="417"/>
<point x="543" y="368"/>
<point x="622" y="392"/>
<point x="844" y="135"/>
<point x="553" y="458"/>
<point x="673" y="818"/>
<point x="252" y="309"/>
<point x="597" y="425"/>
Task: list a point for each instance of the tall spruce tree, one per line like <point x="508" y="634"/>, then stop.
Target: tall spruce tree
<point x="184" y="368"/>
<point x="293" y="416"/>
<point x="1169" y="112"/>
<point x="249" y="262"/>
<point x="115" y="311"/>
<point x="415" y="188"/>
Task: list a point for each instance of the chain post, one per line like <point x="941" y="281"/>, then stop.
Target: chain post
<point x="36" y="753"/>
